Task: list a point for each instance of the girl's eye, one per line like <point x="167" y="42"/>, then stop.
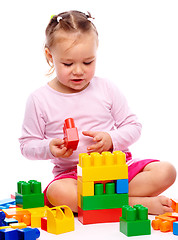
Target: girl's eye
<point x="67" y="64"/>
<point x="87" y="63"/>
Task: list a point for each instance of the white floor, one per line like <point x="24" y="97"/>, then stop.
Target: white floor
<point x="103" y="231"/>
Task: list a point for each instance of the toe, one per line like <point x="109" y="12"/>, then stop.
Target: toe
<point x="166" y="201"/>
<point x="167" y="209"/>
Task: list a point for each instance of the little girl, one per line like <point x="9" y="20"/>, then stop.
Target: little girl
<point x="100" y="112"/>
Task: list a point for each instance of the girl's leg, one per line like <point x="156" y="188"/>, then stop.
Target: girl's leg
<point x="63" y="192"/>
<point x="155" y="178"/>
<point x="145" y="187"/>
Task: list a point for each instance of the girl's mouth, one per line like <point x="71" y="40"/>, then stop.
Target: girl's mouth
<point x="77" y="80"/>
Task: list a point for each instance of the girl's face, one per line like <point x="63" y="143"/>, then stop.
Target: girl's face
<point x="74" y="59"/>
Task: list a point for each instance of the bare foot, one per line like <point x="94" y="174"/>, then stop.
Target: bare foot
<point x="156" y="205"/>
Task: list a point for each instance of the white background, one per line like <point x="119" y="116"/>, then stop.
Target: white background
<point x="138" y="50"/>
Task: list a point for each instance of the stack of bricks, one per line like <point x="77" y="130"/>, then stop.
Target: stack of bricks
<point x="102" y="187"/>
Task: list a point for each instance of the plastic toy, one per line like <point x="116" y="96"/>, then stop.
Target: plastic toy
<point x="85" y="188"/>
<point x="44" y="223"/>
<point x="175" y="228"/>
<point x="101" y="167"/>
<point x="104" y="201"/>
<point x="175" y="205"/>
<point x="2" y="217"/>
<point x="164" y="222"/>
<point x="14" y="221"/>
<point x="36" y="215"/>
<point x="9" y="234"/>
<point x="9" y="221"/>
<point x="19" y="234"/>
<point x="60" y="220"/>
<point x="28" y="233"/>
<point x="21" y="215"/>
<point x="99" y="216"/>
<point x="18" y="225"/>
<point x="7" y="201"/>
<point x="71" y="137"/>
<point x="134" y="221"/>
<point x="98" y="200"/>
<point x="29" y="194"/>
<point x="122" y="186"/>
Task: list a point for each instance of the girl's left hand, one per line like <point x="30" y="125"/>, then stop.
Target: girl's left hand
<point x="103" y="141"/>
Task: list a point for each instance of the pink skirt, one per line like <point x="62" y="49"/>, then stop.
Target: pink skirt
<point x="134" y="167"/>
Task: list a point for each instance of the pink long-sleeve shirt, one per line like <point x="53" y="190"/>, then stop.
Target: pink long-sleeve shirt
<point x="100" y="107"/>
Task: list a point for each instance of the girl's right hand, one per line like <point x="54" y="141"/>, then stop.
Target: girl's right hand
<point x="58" y="148"/>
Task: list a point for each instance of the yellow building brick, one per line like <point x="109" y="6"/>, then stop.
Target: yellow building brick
<point x="85" y="188"/>
<point x="101" y="167"/>
<point x="60" y="220"/>
<point x="36" y="215"/>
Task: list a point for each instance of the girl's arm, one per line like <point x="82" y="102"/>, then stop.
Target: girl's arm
<point x="33" y="142"/>
<point x="126" y="129"/>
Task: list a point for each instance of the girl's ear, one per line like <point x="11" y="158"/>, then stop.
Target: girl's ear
<point x="48" y="55"/>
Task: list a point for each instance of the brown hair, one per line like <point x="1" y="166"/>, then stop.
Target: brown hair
<point x="71" y="21"/>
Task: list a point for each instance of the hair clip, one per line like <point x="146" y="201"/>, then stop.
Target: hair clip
<point x="91" y="19"/>
<point x="59" y="18"/>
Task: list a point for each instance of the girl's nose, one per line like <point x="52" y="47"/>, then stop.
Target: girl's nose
<point x="78" y="70"/>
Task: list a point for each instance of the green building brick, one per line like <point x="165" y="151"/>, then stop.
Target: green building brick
<point x="101" y="200"/>
<point x="29" y="194"/>
<point x="134" y="221"/>
<point x="105" y="201"/>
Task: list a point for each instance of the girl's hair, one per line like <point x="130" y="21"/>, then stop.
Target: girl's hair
<point x="71" y="21"/>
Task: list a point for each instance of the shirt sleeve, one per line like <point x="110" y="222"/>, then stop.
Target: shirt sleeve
<point x="127" y="128"/>
<point x="33" y="143"/>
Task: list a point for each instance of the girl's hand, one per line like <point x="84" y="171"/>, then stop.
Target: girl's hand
<point x="103" y="141"/>
<point x="58" y="149"/>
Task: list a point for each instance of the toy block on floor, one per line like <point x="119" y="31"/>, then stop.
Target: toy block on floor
<point x="21" y="215"/>
<point x="99" y="216"/>
<point x="28" y="233"/>
<point x="134" y="221"/>
<point x="175" y="228"/>
<point x="18" y="225"/>
<point x="175" y="205"/>
<point x="60" y="220"/>
<point x="164" y="222"/>
<point x="101" y="167"/>
<point x="7" y="201"/>
<point x="9" y="221"/>
<point x="71" y="137"/>
<point x="2" y="218"/>
<point x="4" y="227"/>
<point x="19" y="234"/>
<point x="29" y="195"/>
<point x="36" y="215"/>
<point x="9" y="234"/>
<point x="44" y="223"/>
